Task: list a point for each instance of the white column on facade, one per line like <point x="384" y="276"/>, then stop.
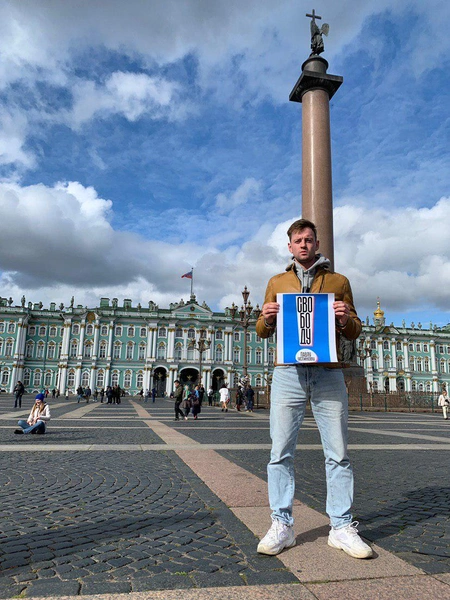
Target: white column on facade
<point x="82" y="332"/>
<point x="154" y="342"/>
<point x="185" y="345"/>
<point x="107" y="375"/>
<point x="92" y="378"/>
<point x="207" y="383"/>
<point x="170" y="343"/>
<point x="96" y="339"/>
<point x="148" y="351"/>
<point x="62" y="379"/>
<point x="228" y="345"/>
<point x="394" y="353"/>
<point x="110" y="341"/>
<point x="77" y="377"/>
<point x="380" y="354"/>
<point x="171" y="380"/>
<point x="434" y="369"/>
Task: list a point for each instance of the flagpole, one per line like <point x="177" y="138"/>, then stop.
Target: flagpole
<point x="192" y="282"/>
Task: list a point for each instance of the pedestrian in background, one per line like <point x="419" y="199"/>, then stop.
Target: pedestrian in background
<point x="444" y="402"/>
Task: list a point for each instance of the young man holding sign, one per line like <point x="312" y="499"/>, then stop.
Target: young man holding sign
<point x="320" y="382"/>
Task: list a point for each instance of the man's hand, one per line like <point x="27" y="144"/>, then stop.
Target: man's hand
<point x="270" y="311"/>
<point x="341" y="312"/>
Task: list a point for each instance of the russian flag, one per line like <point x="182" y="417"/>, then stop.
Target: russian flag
<point x="187" y="275"/>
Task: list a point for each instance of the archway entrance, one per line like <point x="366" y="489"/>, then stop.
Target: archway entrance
<point x="189" y="376"/>
<point x="218" y="379"/>
<point x="160" y="381"/>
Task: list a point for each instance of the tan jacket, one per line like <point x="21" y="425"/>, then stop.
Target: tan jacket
<point x="325" y="282"/>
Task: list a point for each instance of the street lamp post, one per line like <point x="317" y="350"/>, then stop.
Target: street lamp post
<point x="246" y="314"/>
<point x="201" y="345"/>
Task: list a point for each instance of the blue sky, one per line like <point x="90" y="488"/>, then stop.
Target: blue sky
<point x="140" y="139"/>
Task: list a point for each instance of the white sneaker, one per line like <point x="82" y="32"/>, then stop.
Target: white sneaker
<point x="278" y="537"/>
<point x="347" y="539"/>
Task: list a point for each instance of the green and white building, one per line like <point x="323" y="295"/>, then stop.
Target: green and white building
<point x="141" y="347"/>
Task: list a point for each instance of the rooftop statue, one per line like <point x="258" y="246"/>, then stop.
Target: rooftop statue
<point x="317" y="46"/>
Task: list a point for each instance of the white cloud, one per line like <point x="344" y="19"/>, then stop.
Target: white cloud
<point x="248" y="191"/>
<point x="130" y="94"/>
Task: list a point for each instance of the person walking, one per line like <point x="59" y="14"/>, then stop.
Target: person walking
<point x="79" y="393"/>
<point x="323" y="385"/>
<point x="443" y="402"/>
<point x="178" y="398"/>
<point x="250" y="396"/>
<point x="224" y="397"/>
<point x="153" y="394"/>
<point x="19" y="391"/>
<point x="87" y="394"/>
<point x="210" y="396"/>
<point x="102" y="395"/>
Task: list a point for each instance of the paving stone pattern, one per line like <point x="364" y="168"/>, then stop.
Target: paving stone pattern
<point x="87" y="523"/>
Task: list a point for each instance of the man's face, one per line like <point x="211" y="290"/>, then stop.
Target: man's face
<point x="303" y="245"/>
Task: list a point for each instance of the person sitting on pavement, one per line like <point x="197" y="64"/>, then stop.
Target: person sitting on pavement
<point x="38" y="418"/>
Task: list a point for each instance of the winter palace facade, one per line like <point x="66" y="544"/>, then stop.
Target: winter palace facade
<point x="140" y="347"/>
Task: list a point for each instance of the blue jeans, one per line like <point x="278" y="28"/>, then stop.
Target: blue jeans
<point x="38" y="427"/>
<point x="292" y="386"/>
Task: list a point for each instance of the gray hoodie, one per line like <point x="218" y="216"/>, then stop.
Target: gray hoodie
<point x="306" y="276"/>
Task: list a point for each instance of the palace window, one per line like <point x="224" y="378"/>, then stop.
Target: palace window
<point x="426" y="363"/>
<point x="386" y="345"/>
<point x="162" y="332"/>
<point x="53" y="331"/>
<point x="417" y="347"/>
<point x="219" y="334"/>
<point x="2" y="327"/>
<point x="191" y="334"/>
<point x="71" y="378"/>
<point x="40" y="350"/>
<point x="249" y="336"/>
<point x="270" y="356"/>
<point x="8" y="348"/>
<point x="237" y="336"/>
<point x="102" y="350"/>
<point x="5" y="376"/>
<point x="51" y="351"/>
<point x="130" y="348"/>
<point x="48" y="379"/>
<point x="26" y="377"/>
<point x="143" y="332"/>
<point x="249" y="355"/>
<point x="59" y="349"/>
<point x="258" y="381"/>
<point x="11" y="327"/>
<point x="258" y="339"/>
<point x="420" y="387"/>
<point x="100" y="378"/>
<point x="118" y="330"/>
<point x="37" y="378"/>
<point x="442" y="365"/>
<point x="87" y="350"/>
<point x="425" y="347"/>
<point x="140" y="379"/>
<point x="29" y="350"/>
<point x="127" y="379"/>
<point x="203" y="334"/>
<point x="414" y="386"/>
<point x="130" y="331"/>
<point x="419" y="364"/>
<point x="258" y="356"/>
<point x="441" y="349"/>
<point x="271" y="338"/>
<point x="428" y="386"/>
<point x="42" y="330"/>
<point x="89" y="329"/>
<point x="411" y="363"/>
<point x="178" y="352"/>
<point x="116" y="352"/>
<point x="85" y="379"/>
<point x="161" y="351"/>
<point x="219" y="354"/>
<point x="236" y="355"/>
<point x="142" y="348"/>
<point x="104" y="330"/>
<point x="399" y="345"/>
<point x="448" y="349"/>
<point x="115" y="378"/>
<point x="411" y="347"/>
<point x="400" y="362"/>
<point x="190" y="352"/>
<point x="32" y="330"/>
<point x="178" y="332"/>
<point x="75" y="329"/>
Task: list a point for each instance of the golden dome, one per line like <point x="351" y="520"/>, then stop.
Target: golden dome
<point x="378" y="314"/>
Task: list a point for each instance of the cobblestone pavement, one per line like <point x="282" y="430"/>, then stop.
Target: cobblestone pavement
<point x="76" y="523"/>
<point x="120" y="520"/>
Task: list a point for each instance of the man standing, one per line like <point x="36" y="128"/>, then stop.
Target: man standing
<point x="250" y="396"/>
<point x="323" y="385"/>
<point x="178" y="397"/>
<point x="19" y="391"/>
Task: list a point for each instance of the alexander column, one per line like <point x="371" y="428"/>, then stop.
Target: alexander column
<point x="314" y="89"/>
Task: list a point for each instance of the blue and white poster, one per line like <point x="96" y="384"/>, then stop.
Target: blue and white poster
<point x="306" y="329"/>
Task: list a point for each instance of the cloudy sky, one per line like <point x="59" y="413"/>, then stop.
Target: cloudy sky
<point x="139" y="139"/>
